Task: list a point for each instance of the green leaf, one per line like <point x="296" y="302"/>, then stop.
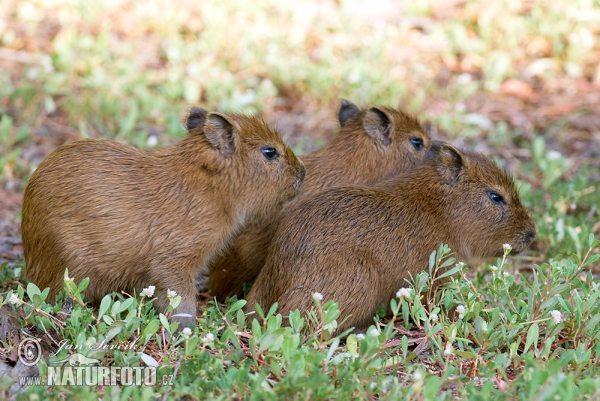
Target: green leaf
<point x="465" y="354"/>
<point x="394" y="305"/>
<point x="352" y="345"/>
<point x="32" y="290"/>
<point x="272" y="310"/>
<point x="115" y="329"/>
<point x="259" y="311"/>
<point x="241" y="318"/>
<point x="591" y="324"/>
<point x="549" y="303"/>
<point x="104" y="305"/>
<point x="431" y="388"/>
<point x="591" y="260"/>
<point x="449" y="272"/>
<point x="191" y="345"/>
<point x="126" y="304"/>
<point x="82" y="286"/>
<point x="447" y="262"/>
<point x="332" y="348"/>
<point x="174" y="303"/>
<point x="116" y="307"/>
<point x="432" y="260"/>
<point x="165" y="322"/>
<point x="256" y="328"/>
<point x="532" y="336"/>
<point x="272" y="341"/>
<point x="37" y="300"/>
<point x="150" y="329"/>
<point x="238" y="305"/>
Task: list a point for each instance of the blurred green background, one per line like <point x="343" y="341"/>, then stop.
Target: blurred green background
<point x="517" y="80"/>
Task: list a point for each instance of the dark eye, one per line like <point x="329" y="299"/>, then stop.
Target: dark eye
<point x="270" y="153"/>
<point x="417" y="143"/>
<point x="496" y="198"/>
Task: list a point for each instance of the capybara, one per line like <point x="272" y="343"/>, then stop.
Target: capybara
<point x="372" y="144"/>
<point x="128" y="218"/>
<point x="357" y="245"/>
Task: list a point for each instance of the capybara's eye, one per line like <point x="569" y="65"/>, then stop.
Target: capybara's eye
<point x="270" y="153"/>
<point x="496" y="198"/>
<point x="417" y="143"/>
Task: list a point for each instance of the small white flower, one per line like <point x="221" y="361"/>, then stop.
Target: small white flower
<point x="15" y="300"/>
<point x="433" y="317"/>
<point x="171" y="294"/>
<point x="460" y="309"/>
<point x="448" y="350"/>
<point x="404" y="293"/>
<point x="557" y="316"/>
<point x="464" y="78"/>
<point x="68" y="279"/>
<point x="417" y="376"/>
<point x="374" y="332"/>
<point x="506" y="274"/>
<point x="373" y="385"/>
<point x="507" y="247"/>
<point x="461" y="264"/>
<point x="209" y="338"/>
<point x="360" y="336"/>
<point x="494" y="268"/>
<point x="148" y="292"/>
<point x="317" y="296"/>
<point x="152" y="141"/>
<point x="186" y="331"/>
<point x="238" y="333"/>
<point x="553" y="155"/>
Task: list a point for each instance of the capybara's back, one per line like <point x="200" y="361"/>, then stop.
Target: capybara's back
<point x="373" y="144"/>
<point x="358" y="245"/>
<point x="128" y="218"/>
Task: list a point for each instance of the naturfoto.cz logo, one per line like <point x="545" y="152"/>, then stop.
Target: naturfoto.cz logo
<point x="79" y="370"/>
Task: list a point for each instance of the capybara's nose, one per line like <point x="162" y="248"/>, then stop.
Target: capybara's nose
<point x="530" y="235"/>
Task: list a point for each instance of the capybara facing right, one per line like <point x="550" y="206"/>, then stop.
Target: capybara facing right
<point x="128" y="218"/>
<point x="373" y="144"/>
<point x="357" y="245"/>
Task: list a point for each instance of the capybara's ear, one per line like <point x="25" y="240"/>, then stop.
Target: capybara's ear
<point x="347" y="111"/>
<point x="378" y="123"/>
<point x="450" y="163"/>
<point x="221" y="131"/>
<point x="195" y="118"/>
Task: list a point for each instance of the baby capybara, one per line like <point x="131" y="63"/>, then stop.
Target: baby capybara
<point x="372" y="144"/>
<point x="128" y="218"/>
<point x="357" y="245"/>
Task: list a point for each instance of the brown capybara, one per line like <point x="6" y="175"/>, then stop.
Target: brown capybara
<point x="128" y="218"/>
<point x="357" y="245"/>
<point x="372" y="144"/>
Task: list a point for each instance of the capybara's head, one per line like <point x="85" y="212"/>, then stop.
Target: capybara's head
<point x="483" y="208"/>
<point x="397" y="139"/>
<point x="261" y="169"/>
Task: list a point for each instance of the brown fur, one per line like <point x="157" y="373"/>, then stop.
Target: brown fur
<point x="128" y="218"/>
<point x="357" y="245"/>
<point x="373" y="144"/>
